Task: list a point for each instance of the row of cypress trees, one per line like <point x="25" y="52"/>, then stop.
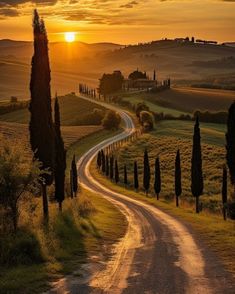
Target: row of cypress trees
<point x="106" y="166"/>
<point x="45" y="134"/>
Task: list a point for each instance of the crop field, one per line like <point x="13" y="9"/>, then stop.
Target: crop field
<point x="72" y="108"/>
<point x="166" y="147"/>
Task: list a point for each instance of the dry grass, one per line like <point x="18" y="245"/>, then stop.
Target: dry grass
<point x="71" y="134"/>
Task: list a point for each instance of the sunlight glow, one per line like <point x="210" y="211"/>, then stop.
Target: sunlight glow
<point x="69" y="37"/>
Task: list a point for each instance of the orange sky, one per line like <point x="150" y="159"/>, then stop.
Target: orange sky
<point x="121" y="21"/>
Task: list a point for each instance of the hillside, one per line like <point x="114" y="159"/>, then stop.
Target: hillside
<point x="79" y="62"/>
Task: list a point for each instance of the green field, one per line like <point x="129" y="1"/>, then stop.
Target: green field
<point x="176" y="101"/>
<point x="72" y="109"/>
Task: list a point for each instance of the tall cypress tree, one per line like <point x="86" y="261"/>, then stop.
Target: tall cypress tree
<point x="60" y="158"/>
<point x="103" y="164"/>
<point x="41" y="124"/>
<point x="157" y="180"/>
<point x="111" y="167"/>
<point x="98" y="160"/>
<point x="125" y="175"/>
<point x="116" y="174"/>
<point x="224" y="191"/>
<point x="136" y="176"/>
<point x="178" y="186"/>
<point x="146" y="176"/>
<point x="154" y="75"/>
<point x="74" y="176"/>
<point x="230" y="156"/>
<point x="196" y="166"/>
<point x="107" y="165"/>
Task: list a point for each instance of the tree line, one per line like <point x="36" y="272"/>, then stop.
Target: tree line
<point x="109" y="166"/>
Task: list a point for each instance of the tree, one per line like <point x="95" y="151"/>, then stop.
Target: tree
<point x="41" y="124"/>
<point x="147" y="120"/>
<point x="136" y="75"/>
<point x="141" y="107"/>
<point x="224" y="191"/>
<point x="147" y="175"/>
<point x="74" y="177"/>
<point x="157" y="180"/>
<point x="136" y="176"/>
<point x="18" y="176"/>
<point x="110" y="83"/>
<point x="111" y="167"/>
<point x="178" y="187"/>
<point x="103" y="164"/>
<point x="230" y="156"/>
<point x="116" y="174"/>
<point x="125" y="179"/>
<point x="154" y="75"/>
<point x="99" y="160"/>
<point x="60" y="157"/>
<point x="111" y="120"/>
<point x="196" y="166"/>
<point x="107" y="166"/>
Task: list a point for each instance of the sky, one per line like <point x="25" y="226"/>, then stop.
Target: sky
<point x="120" y="21"/>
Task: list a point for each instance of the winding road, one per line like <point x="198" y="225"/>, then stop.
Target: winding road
<point x="158" y="254"/>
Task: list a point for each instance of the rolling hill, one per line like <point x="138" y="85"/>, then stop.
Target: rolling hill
<point x="81" y="62"/>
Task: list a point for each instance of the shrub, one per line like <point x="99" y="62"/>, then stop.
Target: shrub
<point x="146" y="120"/>
<point x="111" y="120"/>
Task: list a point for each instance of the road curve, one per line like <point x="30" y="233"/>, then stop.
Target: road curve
<point x="158" y="254"/>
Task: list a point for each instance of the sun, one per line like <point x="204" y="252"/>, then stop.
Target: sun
<point x="69" y="37"/>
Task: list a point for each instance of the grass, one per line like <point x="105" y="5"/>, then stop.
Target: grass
<point x="72" y="108"/>
<point x="176" y="101"/>
<point x="166" y="148"/>
<point x="216" y="233"/>
<point x="87" y="225"/>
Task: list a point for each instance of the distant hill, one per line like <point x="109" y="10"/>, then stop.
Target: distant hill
<point x="76" y="62"/>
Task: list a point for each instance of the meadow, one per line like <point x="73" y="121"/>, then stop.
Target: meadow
<point x="73" y="111"/>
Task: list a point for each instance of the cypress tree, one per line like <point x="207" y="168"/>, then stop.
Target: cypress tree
<point x="111" y="167"/>
<point x="230" y="156"/>
<point x="60" y="158"/>
<point x="224" y="191"/>
<point x="98" y="161"/>
<point x="125" y="175"/>
<point x="107" y="165"/>
<point x="196" y="166"/>
<point x="154" y="75"/>
<point x="136" y="176"/>
<point x="116" y="174"/>
<point x="178" y="187"/>
<point x="74" y="177"/>
<point x="103" y="166"/>
<point x="157" y="180"/>
<point x="146" y="176"/>
<point x="41" y="124"/>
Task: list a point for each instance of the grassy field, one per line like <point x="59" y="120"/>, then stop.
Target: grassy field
<point x="217" y="234"/>
<point x="72" y="109"/>
<point x="166" y="148"/>
<point x="176" y="101"/>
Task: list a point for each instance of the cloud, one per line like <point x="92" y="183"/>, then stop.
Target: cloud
<point x="19" y="2"/>
<point x="129" y="5"/>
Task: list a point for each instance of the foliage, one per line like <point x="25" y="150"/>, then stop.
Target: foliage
<point x="135" y="75"/>
<point x="110" y="83"/>
<point x="146" y="174"/>
<point x="111" y="120"/>
<point x="219" y="117"/>
<point x="146" y="120"/>
<point x="74" y="178"/>
<point x="196" y="165"/>
<point x="136" y="176"/>
<point x="60" y="158"/>
<point x="157" y="178"/>
<point x="140" y="107"/>
<point x="18" y="176"/>
<point x="178" y="186"/>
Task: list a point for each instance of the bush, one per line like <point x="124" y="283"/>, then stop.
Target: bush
<point x="146" y="120"/>
<point x="141" y="107"/>
<point x="111" y="120"/>
<point x="219" y="117"/>
<point x="93" y="118"/>
<point x="22" y="248"/>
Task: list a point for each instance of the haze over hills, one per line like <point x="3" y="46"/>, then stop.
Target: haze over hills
<point x="76" y="62"/>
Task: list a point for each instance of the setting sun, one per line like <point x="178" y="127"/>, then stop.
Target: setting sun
<point x="69" y="37"/>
